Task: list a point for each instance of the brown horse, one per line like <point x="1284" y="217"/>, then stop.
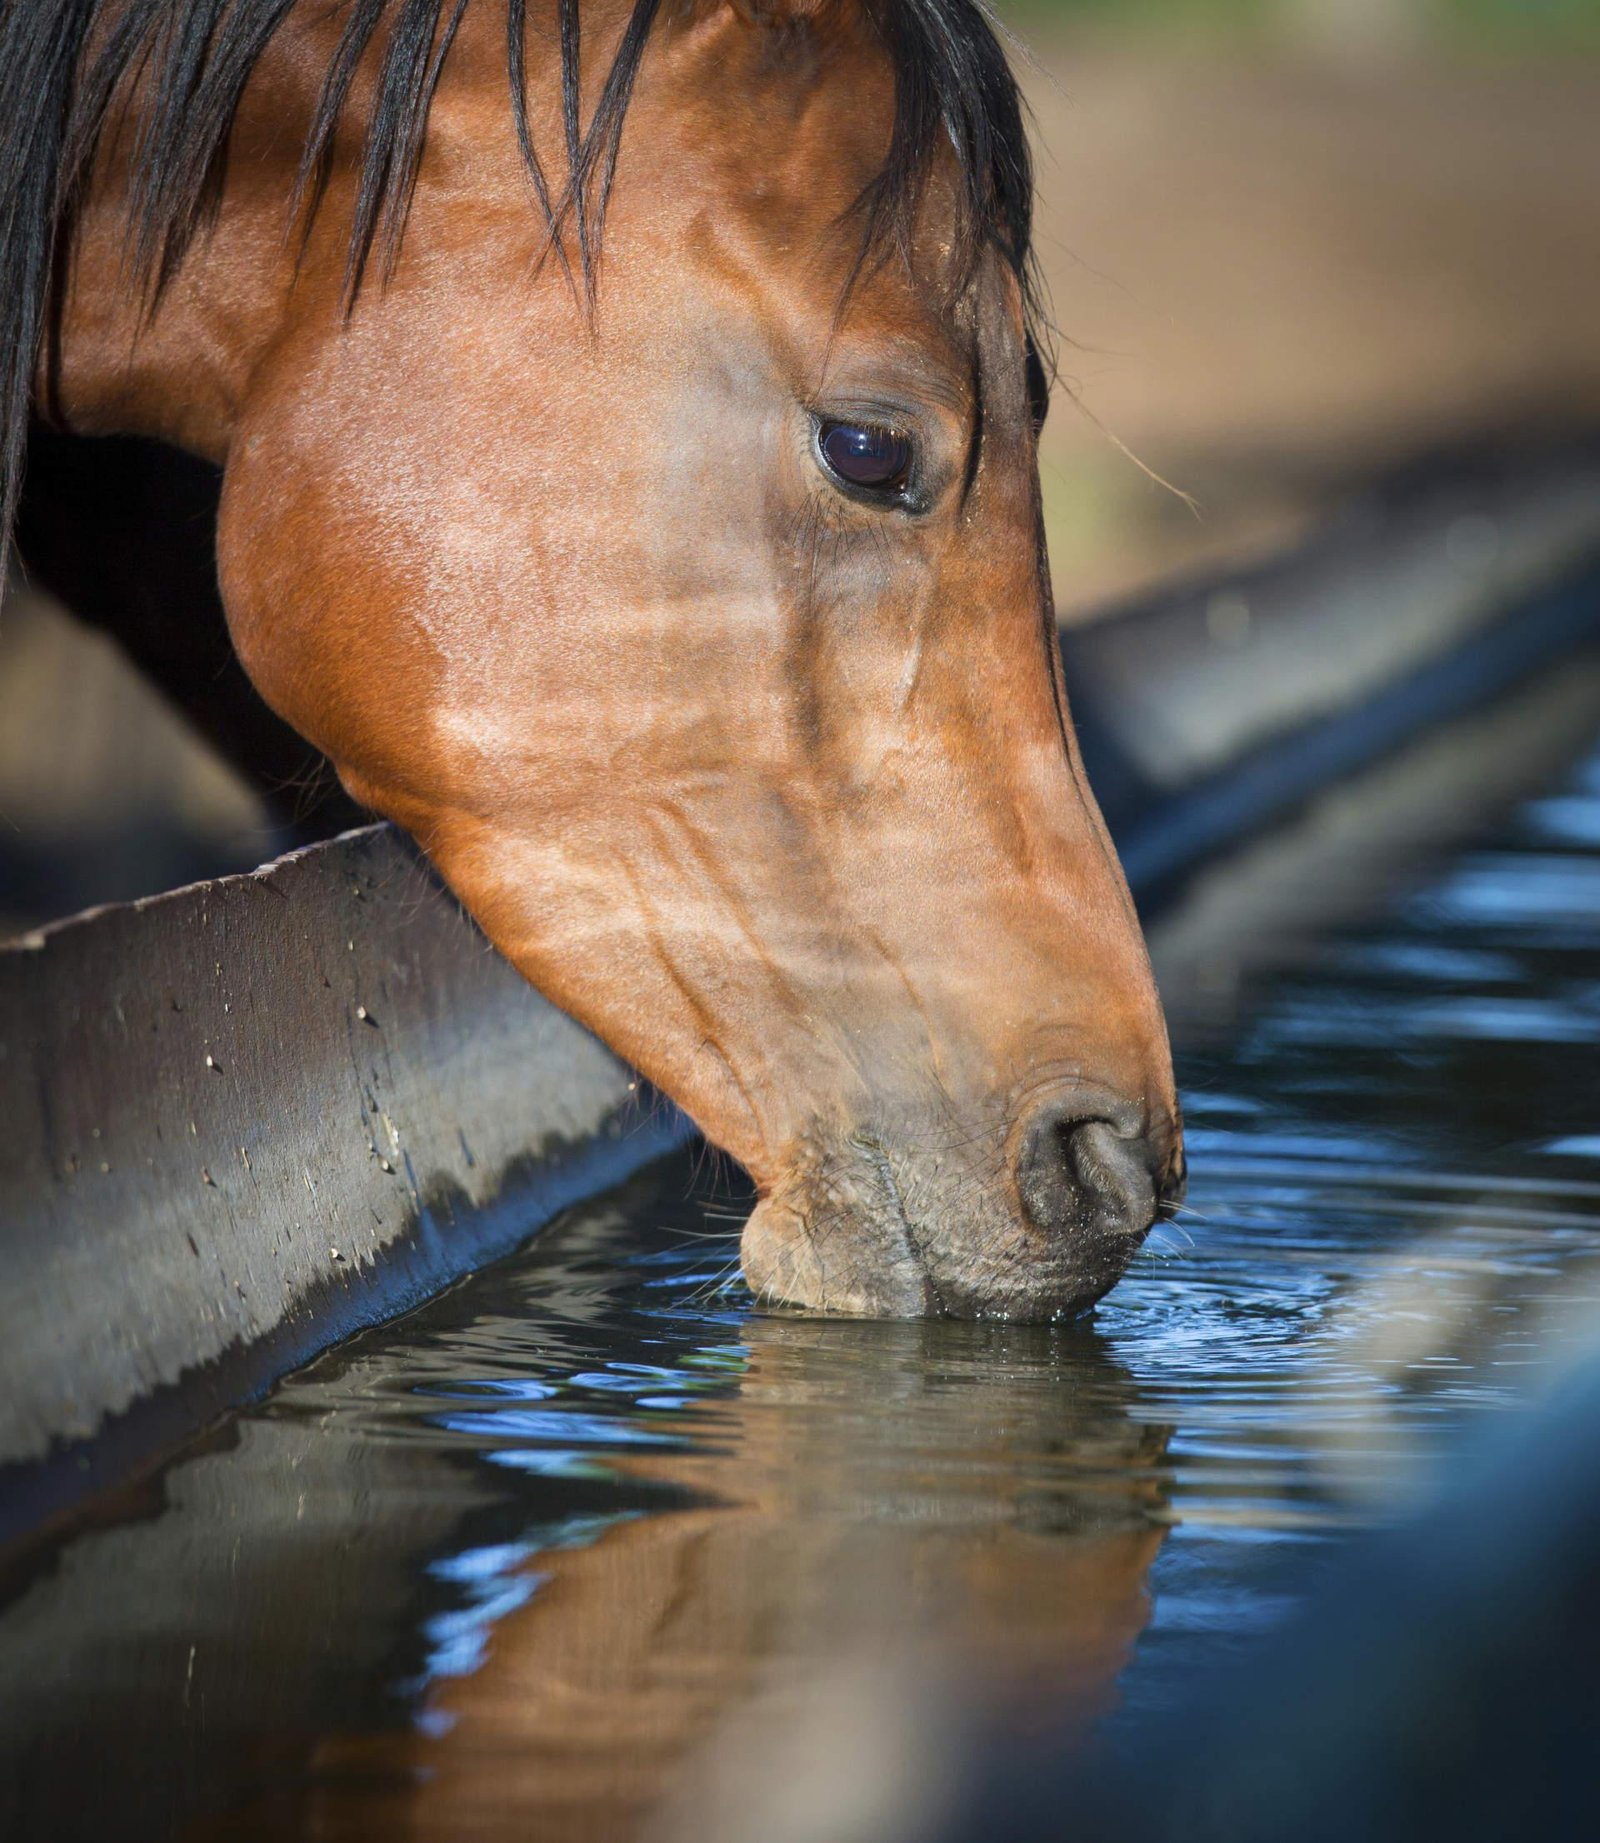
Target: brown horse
<point x="684" y="597"/>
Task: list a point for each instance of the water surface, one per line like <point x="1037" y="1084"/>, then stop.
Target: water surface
<point x="493" y="1571"/>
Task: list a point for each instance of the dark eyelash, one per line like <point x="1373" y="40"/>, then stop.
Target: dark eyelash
<point x="1038" y="386"/>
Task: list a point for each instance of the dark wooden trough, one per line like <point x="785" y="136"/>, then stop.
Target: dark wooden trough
<point x="244" y="1119"/>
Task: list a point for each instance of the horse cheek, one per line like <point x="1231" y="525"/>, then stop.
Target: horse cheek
<point x="310" y="614"/>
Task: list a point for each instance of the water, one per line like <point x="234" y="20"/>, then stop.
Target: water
<point x="495" y="1571"/>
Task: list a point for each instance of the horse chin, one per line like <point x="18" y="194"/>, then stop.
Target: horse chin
<point x="841" y="1271"/>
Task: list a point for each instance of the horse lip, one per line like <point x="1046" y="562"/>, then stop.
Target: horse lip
<point x="1048" y="1306"/>
<point x="880" y="1161"/>
<point x="1048" y="1295"/>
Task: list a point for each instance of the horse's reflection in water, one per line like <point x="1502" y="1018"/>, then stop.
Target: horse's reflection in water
<point x="973" y="1501"/>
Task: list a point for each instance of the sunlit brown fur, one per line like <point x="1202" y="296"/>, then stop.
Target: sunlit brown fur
<point x="771" y="789"/>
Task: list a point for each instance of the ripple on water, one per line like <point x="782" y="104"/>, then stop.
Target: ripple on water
<point x="543" y="1531"/>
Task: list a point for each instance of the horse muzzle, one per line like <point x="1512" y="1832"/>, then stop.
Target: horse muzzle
<point x="1039" y="1224"/>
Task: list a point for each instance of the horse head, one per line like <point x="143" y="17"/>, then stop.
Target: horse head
<point x="686" y="597"/>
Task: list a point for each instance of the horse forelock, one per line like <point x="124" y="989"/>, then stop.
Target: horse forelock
<point x="68" y="66"/>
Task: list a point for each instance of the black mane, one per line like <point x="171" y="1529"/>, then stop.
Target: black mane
<point x="191" y="60"/>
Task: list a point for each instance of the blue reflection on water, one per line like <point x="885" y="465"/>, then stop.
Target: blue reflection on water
<point x="1569" y="821"/>
<point x="1576" y="1145"/>
<point x="1539" y="896"/>
<point x="559" y="1425"/>
<point x="494" y="1582"/>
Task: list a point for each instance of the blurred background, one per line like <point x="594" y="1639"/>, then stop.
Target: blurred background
<point x="1294" y="248"/>
<point x="1294" y="245"/>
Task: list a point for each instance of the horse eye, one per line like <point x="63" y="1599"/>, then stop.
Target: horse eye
<point x="865" y="455"/>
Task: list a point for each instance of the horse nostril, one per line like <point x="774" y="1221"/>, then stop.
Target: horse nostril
<point x="1080" y="1174"/>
